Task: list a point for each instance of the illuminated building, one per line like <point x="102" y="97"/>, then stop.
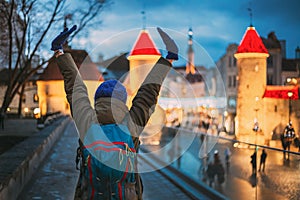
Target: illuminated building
<point x="251" y="58"/>
<point x="52" y="97"/>
<point x="257" y="102"/>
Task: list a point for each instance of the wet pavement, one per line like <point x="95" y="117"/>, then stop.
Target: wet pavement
<point x="56" y="177"/>
<point x="281" y="179"/>
<point x="12" y="134"/>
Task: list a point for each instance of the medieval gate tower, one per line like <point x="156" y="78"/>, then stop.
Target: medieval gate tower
<point x="252" y="67"/>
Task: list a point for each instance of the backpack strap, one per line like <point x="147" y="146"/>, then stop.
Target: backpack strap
<point x="78" y="154"/>
<point x="138" y="181"/>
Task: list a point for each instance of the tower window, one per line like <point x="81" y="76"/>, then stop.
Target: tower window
<point x="234" y="81"/>
<point x="35" y="98"/>
<point x="270" y="61"/>
<point x="229" y="81"/>
<point x="231" y="62"/>
<point x="24" y="98"/>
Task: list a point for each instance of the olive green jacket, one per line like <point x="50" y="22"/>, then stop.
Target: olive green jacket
<point x="110" y="110"/>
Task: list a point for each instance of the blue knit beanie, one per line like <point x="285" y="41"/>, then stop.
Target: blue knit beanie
<point x="111" y="88"/>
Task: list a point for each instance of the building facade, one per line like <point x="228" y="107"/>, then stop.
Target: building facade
<point x="50" y="85"/>
<point x="247" y="75"/>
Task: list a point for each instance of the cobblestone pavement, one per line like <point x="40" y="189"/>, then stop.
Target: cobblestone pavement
<point x="12" y="134"/>
<point x="281" y="179"/>
<point x="157" y="187"/>
<point x="57" y="177"/>
<point x="19" y="127"/>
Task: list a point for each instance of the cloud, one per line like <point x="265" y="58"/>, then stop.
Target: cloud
<point x="216" y="24"/>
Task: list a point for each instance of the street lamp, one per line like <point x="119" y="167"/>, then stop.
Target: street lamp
<point x="256" y="127"/>
<point x="290" y="94"/>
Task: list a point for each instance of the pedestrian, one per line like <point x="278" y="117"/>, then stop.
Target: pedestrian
<point x="287" y="138"/>
<point x="215" y="169"/>
<point x="227" y="153"/>
<point x="110" y="109"/>
<point x="218" y="167"/>
<point x="210" y="171"/>
<point x="263" y="158"/>
<point x="253" y="162"/>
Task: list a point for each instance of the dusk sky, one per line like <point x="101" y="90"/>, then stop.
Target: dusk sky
<point x="215" y="24"/>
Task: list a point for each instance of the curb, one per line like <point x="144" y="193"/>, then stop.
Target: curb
<point x="20" y="162"/>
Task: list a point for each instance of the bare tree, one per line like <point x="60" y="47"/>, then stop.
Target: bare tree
<point x="26" y="25"/>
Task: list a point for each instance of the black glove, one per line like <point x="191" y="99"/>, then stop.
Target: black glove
<point x="62" y="38"/>
<point x="170" y="45"/>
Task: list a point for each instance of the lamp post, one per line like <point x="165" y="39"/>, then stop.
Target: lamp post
<point x="256" y="124"/>
<point x="290" y="94"/>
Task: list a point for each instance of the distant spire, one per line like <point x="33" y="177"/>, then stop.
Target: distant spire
<point x="190" y="68"/>
<point x="144" y="19"/>
<point x="190" y="34"/>
<point x="250" y="14"/>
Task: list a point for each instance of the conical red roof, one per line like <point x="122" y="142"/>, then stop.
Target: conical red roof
<point x="251" y="42"/>
<point x="144" y="45"/>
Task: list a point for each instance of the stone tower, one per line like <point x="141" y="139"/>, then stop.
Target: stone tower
<point x="251" y="58"/>
<point x="190" y="65"/>
<point x="142" y="58"/>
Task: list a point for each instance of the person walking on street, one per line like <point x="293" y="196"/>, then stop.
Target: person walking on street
<point x="210" y="171"/>
<point x="219" y="169"/>
<point x="110" y="110"/>
<point x="262" y="163"/>
<point x="253" y="162"/>
<point x="287" y="138"/>
<point x="216" y="169"/>
<point x="227" y="153"/>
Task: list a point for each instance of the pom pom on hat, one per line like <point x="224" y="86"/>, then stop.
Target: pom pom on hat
<point x="111" y="88"/>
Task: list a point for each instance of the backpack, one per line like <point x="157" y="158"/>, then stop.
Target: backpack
<point x="108" y="162"/>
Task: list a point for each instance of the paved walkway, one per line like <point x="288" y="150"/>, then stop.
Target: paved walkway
<point x="279" y="181"/>
<point x="19" y="127"/>
<point x="15" y="131"/>
<point x="157" y="187"/>
<point x="56" y="177"/>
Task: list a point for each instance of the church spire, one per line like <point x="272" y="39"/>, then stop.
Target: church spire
<point x="190" y="68"/>
<point x="250" y="14"/>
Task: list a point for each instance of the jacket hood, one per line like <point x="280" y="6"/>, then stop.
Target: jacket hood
<point x="110" y="110"/>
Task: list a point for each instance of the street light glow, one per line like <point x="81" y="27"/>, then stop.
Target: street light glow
<point x="36" y="111"/>
<point x="290" y="94"/>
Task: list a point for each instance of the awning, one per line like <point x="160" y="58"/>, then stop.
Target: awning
<point x="282" y="92"/>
